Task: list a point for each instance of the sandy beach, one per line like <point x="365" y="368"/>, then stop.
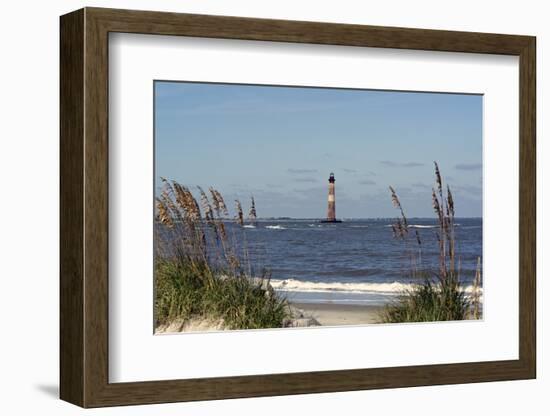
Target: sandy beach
<point x="324" y="314"/>
<point x="330" y="314"/>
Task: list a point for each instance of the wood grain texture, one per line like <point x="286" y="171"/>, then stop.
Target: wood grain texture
<point x="71" y="208"/>
<point x="84" y="207"/>
<point x="96" y="208"/>
<point x="162" y="23"/>
<point x="527" y="208"/>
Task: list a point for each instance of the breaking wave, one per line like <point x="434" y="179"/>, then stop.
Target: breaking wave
<point x="293" y="285"/>
<point x="275" y="227"/>
<point x="427" y="226"/>
<point x="305" y="286"/>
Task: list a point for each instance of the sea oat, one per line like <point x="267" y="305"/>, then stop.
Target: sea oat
<point x="451" y="202"/>
<point x="451" y="229"/>
<point x="164" y="213"/>
<point x="221" y="201"/>
<point x="215" y="201"/>
<point x="206" y="206"/>
<point x="476" y="289"/>
<point x="437" y="206"/>
<point x="404" y="227"/>
<point x="439" y="182"/>
<point x="187" y="202"/>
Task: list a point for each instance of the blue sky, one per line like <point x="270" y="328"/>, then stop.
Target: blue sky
<point x="280" y="144"/>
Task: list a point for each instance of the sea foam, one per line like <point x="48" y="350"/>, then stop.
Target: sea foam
<point x="293" y="285"/>
<point x="307" y="286"/>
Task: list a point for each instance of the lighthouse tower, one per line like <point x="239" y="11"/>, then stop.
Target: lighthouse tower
<point x="331" y="212"/>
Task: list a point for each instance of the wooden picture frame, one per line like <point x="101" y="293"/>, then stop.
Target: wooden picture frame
<point x="84" y="207"/>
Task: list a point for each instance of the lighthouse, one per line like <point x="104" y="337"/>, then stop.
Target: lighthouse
<point x="331" y="212"/>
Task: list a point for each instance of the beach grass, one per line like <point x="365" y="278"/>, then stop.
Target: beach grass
<point x="202" y="271"/>
<point x="182" y="293"/>
<point x="439" y="297"/>
<point x="428" y="302"/>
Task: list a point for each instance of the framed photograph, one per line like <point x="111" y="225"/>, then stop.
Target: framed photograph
<point x="255" y="207"/>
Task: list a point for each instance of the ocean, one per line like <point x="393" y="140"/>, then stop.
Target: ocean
<point x="354" y="262"/>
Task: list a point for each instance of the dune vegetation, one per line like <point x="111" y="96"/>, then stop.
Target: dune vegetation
<point x="439" y="295"/>
<point x="202" y="271"/>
